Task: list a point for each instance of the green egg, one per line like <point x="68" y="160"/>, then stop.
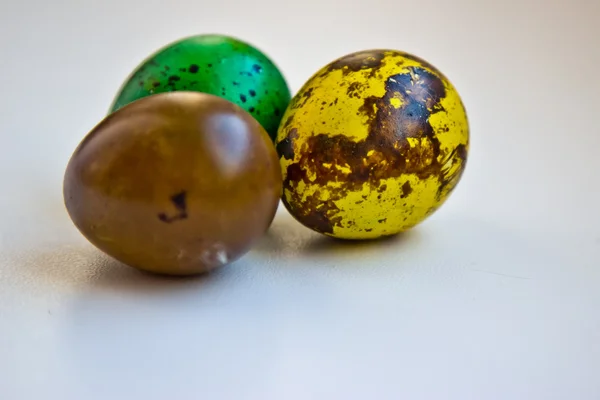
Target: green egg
<point x="215" y="64"/>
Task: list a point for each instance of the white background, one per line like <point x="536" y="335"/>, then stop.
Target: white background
<point x="497" y="296"/>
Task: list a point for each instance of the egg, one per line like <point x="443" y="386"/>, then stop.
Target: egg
<point x="371" y="145"/>
<point x="176" y="183"/>
<point x="220" y="65"/>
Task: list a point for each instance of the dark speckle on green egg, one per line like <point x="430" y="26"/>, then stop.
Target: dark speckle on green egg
<point x="215" y="64"/>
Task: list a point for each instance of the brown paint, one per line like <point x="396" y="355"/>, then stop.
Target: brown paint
<point x="406" y="190"/>
<point x="285" y="148"/>
<point x="176" y="183"/>
<point x="357" y="61"/>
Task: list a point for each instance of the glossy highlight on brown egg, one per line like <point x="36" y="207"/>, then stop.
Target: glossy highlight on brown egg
<point x="176" y="183"/>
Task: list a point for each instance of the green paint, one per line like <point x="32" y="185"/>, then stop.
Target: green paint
<point x="214" y="64"/>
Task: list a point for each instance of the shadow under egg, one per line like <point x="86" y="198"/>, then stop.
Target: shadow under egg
<point x="288" y="239"/>
<point x="331" y="245"/>
<point x="75" y="266"/>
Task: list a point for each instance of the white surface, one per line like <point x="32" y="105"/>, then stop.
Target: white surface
<point x="497" y="296"/>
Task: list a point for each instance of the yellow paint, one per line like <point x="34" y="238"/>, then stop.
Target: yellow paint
<point x="333" y="109"/>
<point x="395" y="102"/>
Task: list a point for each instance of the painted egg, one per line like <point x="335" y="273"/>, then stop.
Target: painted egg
<point x="371" y="145"/>
<point x="215" y="64"/>
<point x="175" y="183"/>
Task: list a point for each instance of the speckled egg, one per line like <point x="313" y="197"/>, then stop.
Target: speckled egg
<point x="215" y="64"/>
<point x="371" y="145"/>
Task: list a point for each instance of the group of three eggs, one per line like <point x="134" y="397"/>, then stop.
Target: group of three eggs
<point x="204" y="139"/>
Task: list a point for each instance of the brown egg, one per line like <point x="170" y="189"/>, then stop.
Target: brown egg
<point x="175" y="183"/>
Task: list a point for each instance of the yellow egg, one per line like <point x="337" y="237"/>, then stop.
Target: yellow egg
<point x="371" y="145"/>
